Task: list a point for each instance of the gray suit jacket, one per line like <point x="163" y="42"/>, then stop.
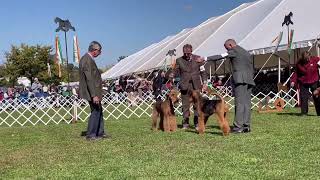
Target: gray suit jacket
<point x="242" y="65"/>
<point x="190" y="72"/>
<point x="90" y="84"/>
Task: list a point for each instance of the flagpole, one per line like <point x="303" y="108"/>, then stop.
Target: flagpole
<point x="279" y="70"/>
<point x="65" y="39"/>
<point x="289" y="46"/>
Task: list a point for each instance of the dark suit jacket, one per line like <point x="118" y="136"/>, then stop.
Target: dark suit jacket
<point x="242" y="65"/>
<point x="158" y="82"/>
<point x="190" y="72"/>
<point x="90" y="84"/>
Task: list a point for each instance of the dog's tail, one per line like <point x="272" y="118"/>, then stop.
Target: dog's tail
<point x="223" y="103"/>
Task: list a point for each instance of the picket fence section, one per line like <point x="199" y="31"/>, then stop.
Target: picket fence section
<point x="57" y="109"/>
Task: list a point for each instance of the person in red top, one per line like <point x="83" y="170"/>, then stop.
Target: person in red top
<point x="308" y="78"/>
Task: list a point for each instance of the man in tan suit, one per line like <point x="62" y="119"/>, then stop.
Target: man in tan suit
<point x="192" y="76"/>
<point x="90" y="88"/>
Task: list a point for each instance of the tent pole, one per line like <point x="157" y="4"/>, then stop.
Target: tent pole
<point x="210" y="73"/>
<point x="279" y="70"/>
<point x="253" y="57"/>
<point x="317" y="49"/>
<point x="289" y="45"/>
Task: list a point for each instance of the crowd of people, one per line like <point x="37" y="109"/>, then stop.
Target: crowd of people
<point x="36" y="90"/>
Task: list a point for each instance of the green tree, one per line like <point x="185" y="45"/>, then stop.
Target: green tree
<point x="28" y="61"/>
<point x="3" y="81"/>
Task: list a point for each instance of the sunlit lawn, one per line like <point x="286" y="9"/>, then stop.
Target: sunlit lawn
<point x="281" y="146"/>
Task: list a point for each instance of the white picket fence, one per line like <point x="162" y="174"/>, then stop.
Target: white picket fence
<point x="59" y="109"/>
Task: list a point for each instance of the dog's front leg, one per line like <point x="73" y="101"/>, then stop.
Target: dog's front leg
<point x="223" y="122"/>
<point x="173" y="123"/>
<point x="166" y="123"/>
<point x="201" y="127"/>
<point x="154" y="116"/>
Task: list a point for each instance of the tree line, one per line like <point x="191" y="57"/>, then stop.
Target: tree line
<point x="31" y="62"/>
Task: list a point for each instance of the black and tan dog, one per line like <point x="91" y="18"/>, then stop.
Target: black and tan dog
<point x="165" y="110"/>
<point x="209" y="107"/>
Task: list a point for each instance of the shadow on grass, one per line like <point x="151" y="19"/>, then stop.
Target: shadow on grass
<point x="295" y="114"/>
<point x="195" y="132"/>
<point x="192" y="129"/>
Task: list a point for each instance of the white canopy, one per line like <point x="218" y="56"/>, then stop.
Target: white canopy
<point x="253" y="25"/>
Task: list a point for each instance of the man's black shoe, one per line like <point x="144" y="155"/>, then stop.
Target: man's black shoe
<point x="246" y="130"/>
<point x="185" y="126"/>
<point x="83" y="133"/>
<point x="92" y="138"/>
<point x="237" y="131"/>
<point x="105" y="136"/>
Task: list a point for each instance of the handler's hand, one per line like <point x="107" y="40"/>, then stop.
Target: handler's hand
<point x="200" y="59"/>
<point x="292" y="84"/>
<point x="96" y="100"/>
<point x="204" y="88"/>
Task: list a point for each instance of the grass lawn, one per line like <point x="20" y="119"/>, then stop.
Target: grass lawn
<point x="281" y="146"/>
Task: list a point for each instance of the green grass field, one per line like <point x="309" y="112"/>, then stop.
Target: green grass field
<point x="281" y="146"/>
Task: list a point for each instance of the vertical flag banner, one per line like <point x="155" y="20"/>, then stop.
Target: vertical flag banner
<point x="278" y="39"/>
<point x="290" y="41"/>
<point x="76" y="51"/>
<point x="59" y="60"/>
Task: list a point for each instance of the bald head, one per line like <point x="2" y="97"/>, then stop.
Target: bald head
<point x="230" y="44"/>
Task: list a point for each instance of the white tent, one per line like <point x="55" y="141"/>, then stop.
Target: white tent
<point x="237" y="27"/>
<point x="126" y="62"/>
<point x="252" y="25"/>
<point x="196" y="37"/>
<point x="140" y="63"/>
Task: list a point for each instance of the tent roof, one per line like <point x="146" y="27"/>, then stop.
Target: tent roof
<point x="253" y="25"/>
<point x="306" y="28"/>
<point x="140" y="64"/>
<point x="237" y="27"/>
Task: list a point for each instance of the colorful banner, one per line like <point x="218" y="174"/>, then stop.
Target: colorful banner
<point x="59" y="59"/>
<point x="76" y="51"/>
<point x="290" y="41"/>
<point x="58" y="56"/>
<point x="278" y="39"/>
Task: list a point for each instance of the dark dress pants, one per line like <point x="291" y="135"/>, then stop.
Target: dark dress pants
<point x="96" y="122"/>
<point x="305" y="95"/>
<point x="185" y="96"/>
<point x="242" y="93"/>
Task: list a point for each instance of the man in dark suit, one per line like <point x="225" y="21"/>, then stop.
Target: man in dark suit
<point x="192" y="76"/>
<point x="242" y="73"/>
<point x="90" y="88"/>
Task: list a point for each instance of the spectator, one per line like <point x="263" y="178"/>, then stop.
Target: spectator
<point x="36" y="87"/>
<point x="158" y="82"/>
<point x="308" y="78"/>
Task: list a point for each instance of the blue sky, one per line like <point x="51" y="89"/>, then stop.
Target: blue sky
<point x="122" y="26"/>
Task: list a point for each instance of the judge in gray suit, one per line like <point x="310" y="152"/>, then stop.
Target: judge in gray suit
<point x="242" y="73"/>
<point x="90" y="88"/>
